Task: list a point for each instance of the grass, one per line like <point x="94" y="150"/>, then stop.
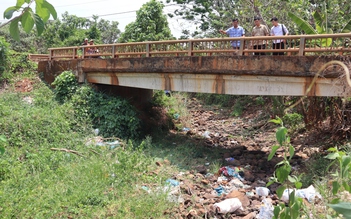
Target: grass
<point x="37" y="182"/>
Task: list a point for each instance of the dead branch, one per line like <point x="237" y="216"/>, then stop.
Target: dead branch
<point x="67" y="150"/>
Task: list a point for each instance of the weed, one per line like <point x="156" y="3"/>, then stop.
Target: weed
<point x="283" y="177"/>
<point x="293" y="120"/>
<point x="175" y="106"/>
<point x="237" y="109"/>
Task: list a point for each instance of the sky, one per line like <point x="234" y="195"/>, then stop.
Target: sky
<point x="123" y="11"/>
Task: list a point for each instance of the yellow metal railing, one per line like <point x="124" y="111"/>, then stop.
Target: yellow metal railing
<point x="298" y="45"/>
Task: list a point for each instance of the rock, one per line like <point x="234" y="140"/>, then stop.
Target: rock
<point x="210" y="196"/>
<point x="256" y="204"/>
<point x="241" y="196"/>
<point x="252" y="215"/>
<point x="204" y="181"/>
<point x="201" y="169"/>
<point x="249" y="176"/>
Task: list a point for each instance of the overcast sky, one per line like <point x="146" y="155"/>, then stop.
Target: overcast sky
<point x="123" y="11"/>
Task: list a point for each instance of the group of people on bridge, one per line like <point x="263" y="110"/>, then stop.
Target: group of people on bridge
<point x="259" y="30"/>
<point x="89" y="50"/>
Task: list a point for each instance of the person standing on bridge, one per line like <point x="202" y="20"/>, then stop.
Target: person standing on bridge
<point x="235" y="31"/>
<point x="278" y="30"/>
<point x="259" y="30"/>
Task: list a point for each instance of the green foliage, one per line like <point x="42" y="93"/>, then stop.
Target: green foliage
<point x="315" y="169"/>
<point x="4" y="57"/>
<point x="302" y="24"/>
<point x="292" y="212"/>
<point x="3" y="142"/>
<point x="71" y="31"/>
<point x="66" y="85"/>
<point x="28" y="18"/>
<point x="39" y="182"/>
<point x="206" y="17"/>
<point x="293" y="120"/>
<point x="343" y="208"/>
<point x="237" y="109"/>
<point x="278" y="105"/>
<point x="283" y="177"/>
<point x="150" y="25"/>
<point x="175" y="107"/>
<point x="114" y="116"/>
<point x="111" y="115"/>
<point x="342" y="179"/>
<point x="20" y="64"/>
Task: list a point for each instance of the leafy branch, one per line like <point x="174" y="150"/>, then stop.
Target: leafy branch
<point x="28" y="18"/>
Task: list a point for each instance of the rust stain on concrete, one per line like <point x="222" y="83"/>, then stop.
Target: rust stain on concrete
<point x="307" y="84"/>
<point x="219" y="85"/>
<point x="113" y="79"/>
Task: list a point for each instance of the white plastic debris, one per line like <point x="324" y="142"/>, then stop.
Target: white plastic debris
<point x="262" y="191"/>
<point x="308" y="193"/>
<point x="228" y="206"/>
<point x="28" y="100"/>
<point x="266" y="210"/>
<point x="206" y="134"/>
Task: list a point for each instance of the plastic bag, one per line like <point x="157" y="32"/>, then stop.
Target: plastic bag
<point x="228" y="206"/>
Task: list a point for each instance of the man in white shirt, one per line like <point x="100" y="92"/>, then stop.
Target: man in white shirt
<point x="278" y="30"/>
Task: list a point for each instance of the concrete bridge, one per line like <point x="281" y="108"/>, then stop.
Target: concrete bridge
<point x="210" y="66"/>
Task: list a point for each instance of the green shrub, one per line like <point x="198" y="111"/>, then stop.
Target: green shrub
<point x="293" y="120"/>
<point x="19" y="63"/>
<point x="4" y="58"/>
<point x="113" y="116"/>
<point x="66" y="85"/>
<point x="175" y="107"/>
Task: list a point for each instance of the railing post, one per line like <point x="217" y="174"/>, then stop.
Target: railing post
<point x="190" y="49"/>
<point x="50" y="54"/>
<point x="74" y="53"/>
<point x="113" y="51"/>
<point x="147" y="49"/>
<point x="241" y="49"/>
<point x="302" y="46"/>
<point x="83" y="50"/>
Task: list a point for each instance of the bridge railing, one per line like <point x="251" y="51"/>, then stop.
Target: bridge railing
<point x="299" y="45"/>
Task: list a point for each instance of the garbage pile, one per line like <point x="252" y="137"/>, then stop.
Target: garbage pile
<point x="225" y="194"/>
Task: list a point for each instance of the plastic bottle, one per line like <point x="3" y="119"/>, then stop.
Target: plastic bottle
<point x="228" y="206"/>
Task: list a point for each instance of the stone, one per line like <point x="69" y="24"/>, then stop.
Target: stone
<point x="204" y="181"/>
<point x="249" y="176"/>
<point x="252" y="215"/>
<point x="241" y="196"/>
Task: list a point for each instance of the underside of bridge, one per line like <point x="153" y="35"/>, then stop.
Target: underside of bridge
<point x="236" y="75"/>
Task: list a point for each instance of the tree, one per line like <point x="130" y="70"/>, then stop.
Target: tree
<point x="211" y="15"/>
<point x="109" y="31"/>
<point x="27" y="17"/>
<point x="320" y="22"/>
<point x="150" y="25"/>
